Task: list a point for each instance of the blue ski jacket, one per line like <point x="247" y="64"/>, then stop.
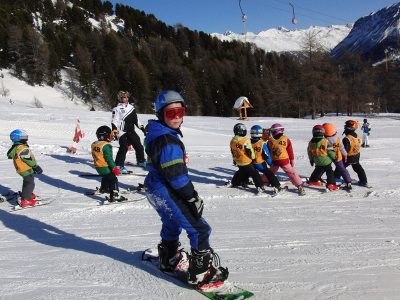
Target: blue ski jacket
<point x="165" y="161"/>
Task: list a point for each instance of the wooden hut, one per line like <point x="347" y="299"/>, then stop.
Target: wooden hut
<point x="242" y="104"/>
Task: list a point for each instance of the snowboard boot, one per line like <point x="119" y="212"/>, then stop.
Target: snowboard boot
<point x="171" y="258"/>
<point x="204" y="268"/>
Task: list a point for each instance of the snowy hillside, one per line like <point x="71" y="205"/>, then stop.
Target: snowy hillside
<point x="373" y="34"/>
<point x="320" y="246"/>
<point x="282" y="39"/>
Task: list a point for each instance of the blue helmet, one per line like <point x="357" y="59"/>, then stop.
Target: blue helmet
<point x="18" y="135"/>
<point x="167" y="97"/>
<point x="256" y="132"/>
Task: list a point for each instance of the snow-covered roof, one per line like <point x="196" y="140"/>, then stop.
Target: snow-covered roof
<point x="242" y="102"/>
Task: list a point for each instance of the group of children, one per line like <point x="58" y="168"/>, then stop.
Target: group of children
<point x="269" y="149"/>
<point x="171" y="192"/>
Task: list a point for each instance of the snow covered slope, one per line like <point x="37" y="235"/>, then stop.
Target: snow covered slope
<point x="374" y="33"/>
<point x="320" y="246"/>
<point x="285" y="40"/>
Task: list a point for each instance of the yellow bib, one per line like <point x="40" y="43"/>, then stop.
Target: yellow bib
<point x="258" y="149"/>
<point x="19" y="164"/>
<point x="336" y="148"/>
<point x="354" y="145"/>
<point x="97" y="153"/>
<point x="278" y="148"/>
<point x="238" y="151"/>
<point x="321" y="151"/>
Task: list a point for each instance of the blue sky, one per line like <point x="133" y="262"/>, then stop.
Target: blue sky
<point x="223" y="15"/>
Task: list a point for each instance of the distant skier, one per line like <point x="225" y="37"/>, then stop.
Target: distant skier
<point x="124" y="120"/>
<point x="280" y="147"/>
<point x="25" y="165"/>
<point x="104" y="163"/>
<point x="172" y="194"/>
<point x="352" y="145"/>
<point x="243" y="156"/>
<point x="321" y="154"/>
<point x="340" y="151"/>
<point x="262" y="157"/>
<point x="366" y="129"/>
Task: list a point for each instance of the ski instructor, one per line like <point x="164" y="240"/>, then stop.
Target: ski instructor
<point x="124" y="120"/>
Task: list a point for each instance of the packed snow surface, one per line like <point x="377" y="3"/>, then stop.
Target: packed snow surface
<point x="320" y="246"/>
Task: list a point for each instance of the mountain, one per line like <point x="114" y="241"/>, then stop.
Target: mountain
<point x="373" y="34"/>
<point x="285" y="40"/>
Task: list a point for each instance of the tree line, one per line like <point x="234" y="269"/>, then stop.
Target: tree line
<point x="40" y="39"/>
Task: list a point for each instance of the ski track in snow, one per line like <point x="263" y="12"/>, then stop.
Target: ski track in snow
<point x="324" y="245"/>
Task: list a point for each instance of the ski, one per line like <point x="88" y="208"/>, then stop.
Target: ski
<point x="38" y="203"/>
<point x="122" y="200"/>
<point x="216" y="291"/>
<point x="133" y="190"/>
<point x="130" y="173"/>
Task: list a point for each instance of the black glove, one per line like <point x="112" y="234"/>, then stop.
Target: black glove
<point x="311" y="163"/>
<point x="37" y="169"/>
<point x="143" y="130"/>
<point x="196" y="206"/>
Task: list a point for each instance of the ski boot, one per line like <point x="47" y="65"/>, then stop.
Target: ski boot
<point x="261" y="190"/>
<point x="204" y="268"/>
<point x="142" y="164"/>
<point x="331" y="187"/>
<point x="171" y="258"/>
<point x="348" y="187"/>
<point x="123" y="170"/>
<point x="301" y="190"/>
<point x="23" y="202"/>
<point x="115" y="196"/>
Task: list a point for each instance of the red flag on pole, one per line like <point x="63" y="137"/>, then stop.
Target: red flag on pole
<point x="79" y="134"/>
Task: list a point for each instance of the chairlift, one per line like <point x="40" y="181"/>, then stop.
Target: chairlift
<point x="294" y="20"/>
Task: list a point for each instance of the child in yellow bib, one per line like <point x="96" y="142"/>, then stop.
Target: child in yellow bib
<point x="25" y="165"/>
<point x="243" y="156"/>
<point x="104" y="163"/>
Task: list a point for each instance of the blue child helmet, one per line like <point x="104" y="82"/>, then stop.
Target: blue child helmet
<point x="18" y="135"/>
<point x="256" y="131"/>
<point x="167" y="97"/>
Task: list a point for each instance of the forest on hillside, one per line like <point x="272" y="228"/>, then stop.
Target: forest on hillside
<point x="39" y="39"/>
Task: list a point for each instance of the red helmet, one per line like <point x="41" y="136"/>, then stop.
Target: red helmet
<point x="351" y="125"/>
<point x="318" y="131"/>
<point x="330" y="129"/>
<point x="277" y="129"/>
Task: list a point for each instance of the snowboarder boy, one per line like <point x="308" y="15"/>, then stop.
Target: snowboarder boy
<point x="321" y="154"/>
<point x="340" y="151"/>
<point x="171" y="192"/>
<point x="104" y="163"/>
<point x="25" y="165"/>
<point x="262" y="157"/>
<point x="365" y="128"/>
<point x="352" y="145"/>
<point x="243" y="156"/>
<point x="280" y="147"/>
<point x="124" y="120"/>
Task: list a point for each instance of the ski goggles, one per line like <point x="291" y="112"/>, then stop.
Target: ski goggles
<point x="174" y="113"/>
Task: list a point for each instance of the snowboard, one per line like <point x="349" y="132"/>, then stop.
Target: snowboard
<point x="217" y="291"/>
